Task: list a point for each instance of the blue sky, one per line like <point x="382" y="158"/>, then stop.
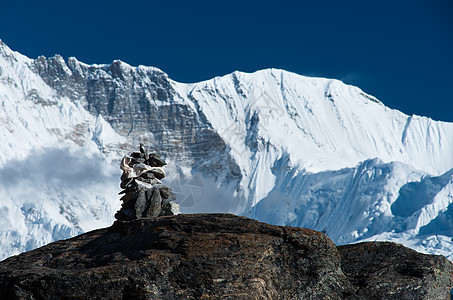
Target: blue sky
<point x="399" y="51"/>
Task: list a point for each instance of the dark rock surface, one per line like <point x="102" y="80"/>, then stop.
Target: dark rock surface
<point x="218" y="256"/>
<point x="384" y="270"/>
<point x="183" y="257"/>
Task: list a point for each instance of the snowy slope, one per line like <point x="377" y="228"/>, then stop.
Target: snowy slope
<point x="54" y="180"/>
<point x="272" y="145"/>
<point x="320" y="154"/>
<point x="331" y="125"/>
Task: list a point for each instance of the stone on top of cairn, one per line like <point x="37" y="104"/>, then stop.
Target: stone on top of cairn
<point x="144" y="194"/>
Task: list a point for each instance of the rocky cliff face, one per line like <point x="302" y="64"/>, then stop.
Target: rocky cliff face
<point x="139" y="103"/>
<point x="217" y="256"/>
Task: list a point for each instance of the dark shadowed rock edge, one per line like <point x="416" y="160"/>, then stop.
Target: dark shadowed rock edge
<point x="220" y="256"/>
<point x="385" y="270"/>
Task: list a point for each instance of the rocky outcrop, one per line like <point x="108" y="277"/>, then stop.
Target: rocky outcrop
<point x="384" y="270"/>
<point x="180" y="257"/>
<point x="219" y="256"/>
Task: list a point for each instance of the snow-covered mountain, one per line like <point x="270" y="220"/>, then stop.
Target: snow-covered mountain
<point x="272" y="145"/>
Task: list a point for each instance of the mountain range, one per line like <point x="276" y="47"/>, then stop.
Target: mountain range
<point x="271" y="145"/>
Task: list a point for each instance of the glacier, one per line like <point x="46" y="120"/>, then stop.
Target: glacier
<point x="271" y="145"/>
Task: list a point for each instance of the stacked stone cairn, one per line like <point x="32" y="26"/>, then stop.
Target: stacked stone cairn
<point x="144" y="195"/>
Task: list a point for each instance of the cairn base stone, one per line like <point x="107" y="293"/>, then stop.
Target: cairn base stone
<point x="151" y="201"/>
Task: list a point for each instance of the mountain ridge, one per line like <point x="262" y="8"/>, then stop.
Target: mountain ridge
<point x="252" y="140"/>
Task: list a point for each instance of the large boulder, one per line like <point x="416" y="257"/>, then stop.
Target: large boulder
<point x="212" y="256"/>
<point x="180" y="257"/>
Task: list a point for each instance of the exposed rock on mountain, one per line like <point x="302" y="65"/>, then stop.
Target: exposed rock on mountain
<point x="140" y="103"/>
<point x="209" y="256"/>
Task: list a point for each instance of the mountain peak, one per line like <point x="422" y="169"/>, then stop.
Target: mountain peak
<point x="272" y="145"/>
